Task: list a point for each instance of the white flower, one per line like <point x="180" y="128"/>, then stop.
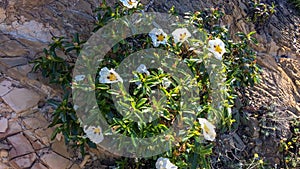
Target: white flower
<point x="109" y="76"/>
<point x="166" y="82"/>
<point x="208" y="129"/>
<point x="181" y="35"/>
<point x="158" y="36"/>
<point x="141" y="69"/>
<point x="94" y="133"/>
<point x="79" y="78"/>
<point x="217" y="47"/>
<point x="130" y="3"/>
<point x="164" y="163"/>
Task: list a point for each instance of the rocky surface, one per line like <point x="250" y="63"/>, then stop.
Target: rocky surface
<point x="24" y="133"/>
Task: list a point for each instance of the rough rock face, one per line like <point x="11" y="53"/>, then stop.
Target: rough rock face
<point x="25" y="28"/>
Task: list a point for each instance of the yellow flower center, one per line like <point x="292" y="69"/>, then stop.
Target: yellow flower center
<point x="160" y="37"/>
<point x="182" y="36"/>
<point x="218" y="49"/>
<point x="111" y="77"/>
<point x="205" y="128"/>
<point x="130" y="2"/>
<point x="97" y="130"/>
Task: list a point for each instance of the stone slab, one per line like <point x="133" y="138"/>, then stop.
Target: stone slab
<point x="55" y="161"/>
<point x="13" y="128"/>
<point x="38" y="165"/>
<point x="21" y="145"/>
<point x="21" y="99"/>
<point x="25" y="161"/>
<point x="3" y="125"/>
<point x="5" y="87"/>
<point x="15" y="61"/>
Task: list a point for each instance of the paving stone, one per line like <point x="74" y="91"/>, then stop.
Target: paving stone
<point x="39" y="165"/>
<point x="35" y="121"/>
<point x="3" y="125"/>
<point x="44" y="135"/>
<point x="15" y="61"/>
<point x="24" y="70"/>
<point x="60" y="148"/>
<point x="75" y="166"/>
<point x="4" y="146"/>
<point x="4" y="166"/>
<point x="35" y="142"/>
<point x="25" y="161"/>
<point x="55" y="161"/>
<point x="37" y="145"/>
<point x="5" y="87"/>
<point x="21" y="99"/>
<point x="9" y="49"/>
<point x="21" y="145"/>
<point x="13" y="128"/>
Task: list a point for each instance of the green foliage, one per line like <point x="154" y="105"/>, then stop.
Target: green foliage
<point x="192" y="151"/>
<point x="295" y="3"/>
<point x="260" y="12"/>
<point x="291" y="147"/>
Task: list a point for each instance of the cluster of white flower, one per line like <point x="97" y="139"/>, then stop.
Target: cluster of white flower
<point x="158" y="36"/>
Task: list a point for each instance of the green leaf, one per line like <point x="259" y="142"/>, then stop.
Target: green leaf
<point x="141" y="102"/>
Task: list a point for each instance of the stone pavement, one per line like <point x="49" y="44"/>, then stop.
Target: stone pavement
<point x="24" y="133"/>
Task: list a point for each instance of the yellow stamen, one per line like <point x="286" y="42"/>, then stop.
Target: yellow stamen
<point x="111" y="77"/>
<point x="218" y="49"/>
<point x="97" y="130"/>
<point x="160" y="37"/>
<point x="130" y="2"/>
<point x="206" y="129"/>
<point x="182" y="36"/>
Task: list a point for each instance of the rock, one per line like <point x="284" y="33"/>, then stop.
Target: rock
<point x="4" y="166"/>
<point x="21" y="99"/>
<point x="55" y="161"/>
<point x="44" y="135"/>
<point x="38" y="165"/>
<point x="60" y="148"/>
<point x="15" y="61"/>
<point x="13" y="128"/>
<point x="35" y="121"/>
<point x="25" y="161"/>
<point x="75" y="166"/>
<point x="5" y="87"/>
<point x="21" y="145"/>
<point x="3" y="125"/>
<point x="3" y="153"/>
<point x="35" y="142"/>
<point x="8" y="49"/>
<point x="4" y="146"/>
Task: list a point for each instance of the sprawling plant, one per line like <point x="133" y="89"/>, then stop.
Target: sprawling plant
<point x="189" y="150"/>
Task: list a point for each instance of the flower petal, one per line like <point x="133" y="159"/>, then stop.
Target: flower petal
<point x="94" y="133"/>
<point x="164" y="163"/>
<point x="208" y="129"/>
<point x="181" y="35"/>
<point x="217" y="47"/>
<point x="79" y="78"/>
<point x="158" y="36"/>
<point x="109" y="76"/>
<point x="130" y="3"/>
